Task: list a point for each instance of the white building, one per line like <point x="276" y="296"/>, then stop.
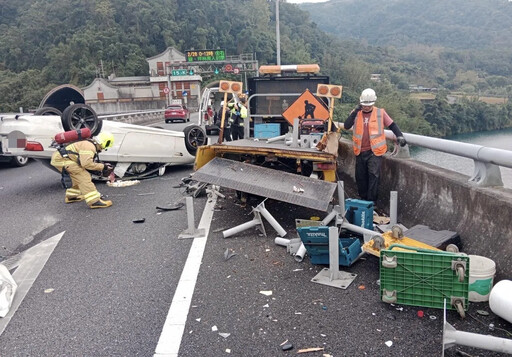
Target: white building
<point x="121" y="94"/>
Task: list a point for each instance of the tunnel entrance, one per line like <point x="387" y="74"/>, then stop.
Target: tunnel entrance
<point x="62" y="97"/>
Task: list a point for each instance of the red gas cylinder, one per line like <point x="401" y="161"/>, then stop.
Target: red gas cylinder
<point x="72" y="135"/>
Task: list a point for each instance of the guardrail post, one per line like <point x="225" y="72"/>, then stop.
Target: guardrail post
<point x="486" y="174"/>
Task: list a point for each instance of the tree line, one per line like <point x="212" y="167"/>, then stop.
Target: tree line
<point x="47" y="43"/>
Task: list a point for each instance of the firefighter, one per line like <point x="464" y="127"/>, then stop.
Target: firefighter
<point x="369" y="142"/>
<point x="75" y="161"/>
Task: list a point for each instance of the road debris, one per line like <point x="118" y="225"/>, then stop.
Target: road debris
<point x="49" y="290"/>
<point x="214" y="328"/>
<point x="482" y="312"/>
<point x="228" y="253"/>
<point x="389" y="343"/>
<point x="171" y="207"/>
<point x="286" y="346"/>
<point x="123" y="183"/>
<point x="224" y="334"/>
<point x="7" y="290"/>
<point x="140" y="220"/>
<point x="266" y="292"/>
<point x="312" y="349"/>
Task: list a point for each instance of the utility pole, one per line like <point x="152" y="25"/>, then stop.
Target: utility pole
<point x="278" y="39"/>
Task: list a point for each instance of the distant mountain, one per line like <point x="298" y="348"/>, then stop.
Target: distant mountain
<point x="458" y="24"/>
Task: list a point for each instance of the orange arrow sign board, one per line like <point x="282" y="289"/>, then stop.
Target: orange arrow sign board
<point x="306" y="106"/>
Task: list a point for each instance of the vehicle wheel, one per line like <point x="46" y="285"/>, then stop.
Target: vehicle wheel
<point x="48" y="111"/>
<point x="78" y="116"/>
<point x="194" y="137"/>
<point x="19" y="161"/>
<point x="166" y="121"/>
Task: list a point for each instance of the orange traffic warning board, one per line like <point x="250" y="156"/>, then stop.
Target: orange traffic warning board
<point x="305" y="107"/>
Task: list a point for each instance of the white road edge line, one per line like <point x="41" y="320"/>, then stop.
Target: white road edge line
<point x="174" y="326"/>
<point x="29" y="266"/>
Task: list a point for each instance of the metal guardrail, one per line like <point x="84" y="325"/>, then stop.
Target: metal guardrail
<point x="487" y="160"/>
<point x="137" y="114"/>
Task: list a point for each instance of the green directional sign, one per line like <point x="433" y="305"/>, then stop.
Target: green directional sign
<point x="205" y="55"/>
<point x="179" y="72"/>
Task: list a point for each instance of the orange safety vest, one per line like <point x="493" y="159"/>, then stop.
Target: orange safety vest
<point x="375" y="131"/>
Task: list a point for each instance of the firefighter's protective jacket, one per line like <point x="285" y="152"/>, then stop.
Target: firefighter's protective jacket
<point x="82" y="153"/>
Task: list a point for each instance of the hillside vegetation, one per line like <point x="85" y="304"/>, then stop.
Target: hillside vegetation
<point x="457" y="44"/>
<point x="47" y="43"/>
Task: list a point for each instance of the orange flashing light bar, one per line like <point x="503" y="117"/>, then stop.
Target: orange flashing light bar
<point x="299" y="68"/>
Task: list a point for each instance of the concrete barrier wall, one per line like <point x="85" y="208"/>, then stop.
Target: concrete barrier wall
<point x="443" y="200"/>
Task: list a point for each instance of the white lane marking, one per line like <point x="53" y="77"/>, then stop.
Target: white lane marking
<point x="28" y="266"/>
<point x="172" y="332"/>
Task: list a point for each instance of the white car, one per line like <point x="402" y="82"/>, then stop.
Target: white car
<point x="138" y="150"/>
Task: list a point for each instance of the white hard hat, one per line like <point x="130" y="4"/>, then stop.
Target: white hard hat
<point x="368" y="97"/>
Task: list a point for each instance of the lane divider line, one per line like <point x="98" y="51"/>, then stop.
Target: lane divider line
<point x="172" y="332"/>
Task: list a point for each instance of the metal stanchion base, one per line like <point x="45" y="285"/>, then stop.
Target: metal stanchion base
<point x="343" y="280"/>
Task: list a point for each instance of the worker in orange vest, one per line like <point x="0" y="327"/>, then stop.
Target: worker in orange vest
<point x="369" y="142"/>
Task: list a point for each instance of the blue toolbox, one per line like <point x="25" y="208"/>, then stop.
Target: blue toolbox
<point x="316" y="241"/>
<point x="266" y="131"/>
<point x="359" y="213"/>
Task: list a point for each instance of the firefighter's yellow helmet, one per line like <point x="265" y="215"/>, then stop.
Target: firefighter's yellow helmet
<point x="105" y="140"/>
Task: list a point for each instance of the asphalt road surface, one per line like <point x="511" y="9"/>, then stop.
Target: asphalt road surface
<point x="109" y="286"/>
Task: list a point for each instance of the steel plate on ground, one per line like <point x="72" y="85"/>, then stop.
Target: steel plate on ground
<point x="266" y="182"/>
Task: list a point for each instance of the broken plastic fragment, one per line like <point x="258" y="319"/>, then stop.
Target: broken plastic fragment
<point x="389" y="343"/>
<point x="214" y="328"/>
<point x="224" y="334"/>
<point x="172" y="207"/>
<point x="287" y="346"/>
<point x="7" y="290"/>
<point x="266" y="305"/>
<point x="141" y="220"/>
<point x="482" y="312"/>
<point x="49" y="290"/>
<point x="266" y="292"/>
<point x="228" y="254"/>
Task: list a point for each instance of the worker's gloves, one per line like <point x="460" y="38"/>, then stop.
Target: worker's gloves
<point x="107" y="169"/>
<point x="401" y="141"/>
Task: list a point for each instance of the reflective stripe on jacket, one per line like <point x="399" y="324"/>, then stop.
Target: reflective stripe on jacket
<point x="375" y="132"/>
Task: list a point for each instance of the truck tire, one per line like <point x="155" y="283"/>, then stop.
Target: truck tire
<point x="194" y="137"/>
<point x="48" y="111"/>
<point x="78" y="116"/>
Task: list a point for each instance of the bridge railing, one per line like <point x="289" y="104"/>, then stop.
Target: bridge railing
<point x="487" y="160"/>
<point x="137" y="117"/>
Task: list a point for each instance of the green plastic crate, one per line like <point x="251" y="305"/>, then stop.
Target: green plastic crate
<point x="421" y="277"/>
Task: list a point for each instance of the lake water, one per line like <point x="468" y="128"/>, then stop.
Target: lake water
<point x="500" y="139"/>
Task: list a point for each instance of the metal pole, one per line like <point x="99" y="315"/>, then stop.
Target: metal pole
<point x="334" y="254"/>
<point x="278" y="36"/>
<point x="240" y="228"/>
<point x="393" y="200"/>
<point x="221" y="131"/>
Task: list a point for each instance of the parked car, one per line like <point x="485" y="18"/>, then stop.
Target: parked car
<point x="176" y="112"/>
<point x="138" y="150"/>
